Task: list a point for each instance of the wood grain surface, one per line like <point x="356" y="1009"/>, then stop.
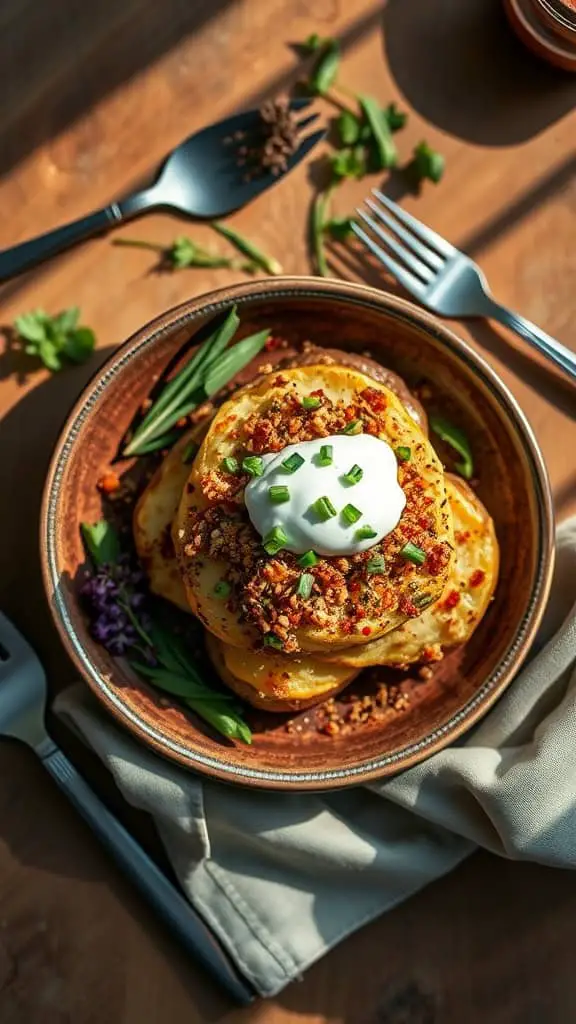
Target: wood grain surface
<point x="93" y="95"/>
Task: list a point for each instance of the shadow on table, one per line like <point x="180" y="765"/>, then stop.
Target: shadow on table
<point x="462" y="68"/>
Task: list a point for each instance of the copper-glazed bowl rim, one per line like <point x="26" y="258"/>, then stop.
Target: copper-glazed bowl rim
<point x="210" y="304"/>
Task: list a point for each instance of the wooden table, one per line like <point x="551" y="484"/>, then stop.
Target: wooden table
<point x="93" y="94"/>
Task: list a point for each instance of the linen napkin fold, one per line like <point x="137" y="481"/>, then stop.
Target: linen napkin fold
<point x="281" y="878"/>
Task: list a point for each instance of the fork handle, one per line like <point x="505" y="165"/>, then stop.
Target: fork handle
<point x="549" y="347"/>
<point x="141" y="869"/>
<point x="28" y="254"/>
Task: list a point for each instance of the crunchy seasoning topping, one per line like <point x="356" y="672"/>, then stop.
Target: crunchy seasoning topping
<point x="109" y="482"/>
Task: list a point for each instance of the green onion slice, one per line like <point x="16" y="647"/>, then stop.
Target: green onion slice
<point x="293" y="462"/>
<point x="365" y="533"/>
<point x="375" y="565"/>
<point x="222" y="589"/>
<point x="325" y="456"/>
<point x="310" y="402"/>
<point x="354" y="427"/>
<point x="403" y="454"/>
<point x="354" y="475"/>
<point x="275" y="540"/>
<point x="253" y="465"/>
<point x="308" y="559"/>
<point x="272" y="641"/>
<point x="305" y="584"/>
<point x="324" y="508"/>
<point x="351" y="514"/>
<point x="278" y="494"/>
<point x="412" y="553"/>
<point x="229" y="464"/>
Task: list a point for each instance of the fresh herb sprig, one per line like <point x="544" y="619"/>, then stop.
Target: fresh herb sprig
<point x="120" y="622"/>
<point x="258" y="258"/>
<point x="183" y="252"/>
<point x="55" y="340"/>
<point x="211" y="367"/>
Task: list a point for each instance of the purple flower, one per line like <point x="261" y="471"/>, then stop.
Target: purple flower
<point x="111" y="596"/>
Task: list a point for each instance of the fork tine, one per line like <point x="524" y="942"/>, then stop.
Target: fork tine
<point x="307" y="120"/>
<point x="404" y="254"/>
<point x="420" y="229"/>
<point x="304" y="148"/>
<point x="407" y="280"/>
<point x="301" y="103"/>
<point x="428" y="255"/>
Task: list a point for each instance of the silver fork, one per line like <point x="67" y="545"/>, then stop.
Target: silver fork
<point x="441" y="277"/>
<point x="22" y="707"/>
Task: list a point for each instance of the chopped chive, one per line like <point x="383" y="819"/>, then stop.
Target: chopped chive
<point x="403" y="453"/>
<point x="230" y="464"/>
<point x="253" y="465"/>
<point x="278" y="495"/>
<point x="412" y="553"/>
<point x="354" y="427"/>
<point x="305" y="584"/>
<point x="274" y="540"/>
<point x="222" y="589"/>
<point x="325" y="456"/>
<point x="293" y="462"/>
<point x="351" y="514"/>
<point x="270" y="640"/>
<point x="422" y="600"/>
<point x="365" y="533"/>
<point x="376" y="564"/>
<point x="310" y="402"/>
<point x="324" y="508"/>
<point x="354" y="475"/>
<point x="308" y="559"/>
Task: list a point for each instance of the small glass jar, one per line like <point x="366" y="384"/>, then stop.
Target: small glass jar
<point x="547" y="27"/>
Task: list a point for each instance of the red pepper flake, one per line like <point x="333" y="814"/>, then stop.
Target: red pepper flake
<point x="273" y="343"/>
<point x="477" y="578"/>
<point x="366" y="631"/>
<point x="407" y="607"/>
<point x="451" y="600"/>
<point x="319" y="393"/>
<point x="438" y="559"/>
<point x="109" y="483"/>
<point x="461" y="536"/>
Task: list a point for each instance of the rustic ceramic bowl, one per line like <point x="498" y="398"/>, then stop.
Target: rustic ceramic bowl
<point x="512" y="482"/>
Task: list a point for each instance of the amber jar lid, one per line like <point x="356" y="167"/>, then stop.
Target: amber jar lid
<point x="547" y="27"/>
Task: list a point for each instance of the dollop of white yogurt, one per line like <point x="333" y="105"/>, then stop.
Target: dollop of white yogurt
<point x="377" y="496"/>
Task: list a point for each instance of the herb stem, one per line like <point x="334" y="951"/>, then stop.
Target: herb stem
<point x="140" y="243"/>
<point x="318" y="218"/>
<point x="125" y="605"/>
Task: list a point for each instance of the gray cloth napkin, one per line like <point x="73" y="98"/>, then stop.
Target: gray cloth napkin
<point x="281" y="878"/>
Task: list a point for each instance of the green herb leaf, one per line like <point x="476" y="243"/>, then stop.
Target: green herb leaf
<point x="396" y="118"/>
<point x="55" y="339"/>
<point x="457" y="440"/>
<point x="387" y="155"/>
<point x="179" y="685"/>
<point x="324" y="73"/>
<point x="227" y="722"/>
<point x="348" y="163"/>
<point x="233" y="361"/>
<point x="102" y="542"/>
<point x="247" y="248"/>
<point x="317" y="218"/>
<point x="314" y="43"/>
<point x="270" y="640"/>
<point x="339" y="228"/>
<point x="222" y="590"/>
<point x="348" y="127"/>
<point x="428" y="163"/>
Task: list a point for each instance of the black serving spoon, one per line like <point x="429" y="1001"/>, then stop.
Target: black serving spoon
<point x="200" y="178"/>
